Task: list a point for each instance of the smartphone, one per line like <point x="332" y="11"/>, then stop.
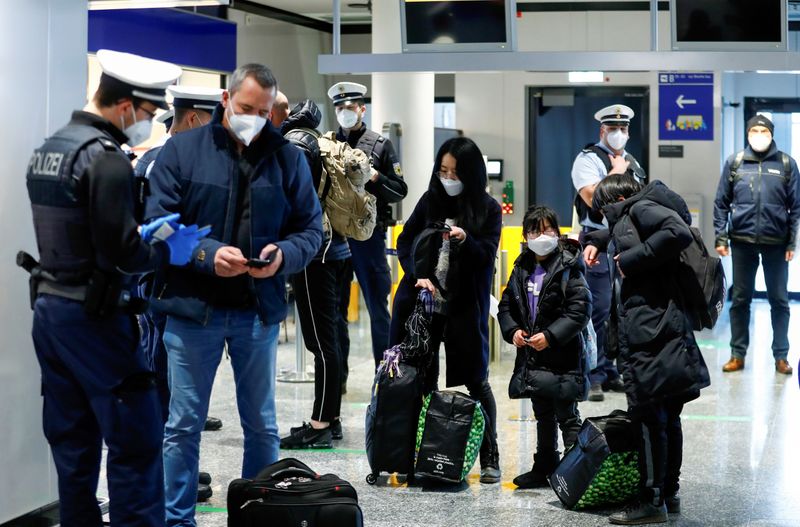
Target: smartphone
<point x="259" y="263"/>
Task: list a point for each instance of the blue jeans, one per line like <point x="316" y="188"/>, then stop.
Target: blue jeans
<point x="776" y="275"/>
<point x="375" y="281"/>
<point x="194" y="353"/>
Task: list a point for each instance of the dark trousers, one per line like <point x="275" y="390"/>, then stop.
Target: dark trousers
<point x="97" y="388"/>
<point x="776" y="275"/>
<point x="375" y="281"/>
<point x="550" y="413"/>
<point x="317" y="291"/>
<point x="481" y="391"/>
<point x="344" y="308"/>
<point x="660" y="450"/>
<point x="599" y="280"/>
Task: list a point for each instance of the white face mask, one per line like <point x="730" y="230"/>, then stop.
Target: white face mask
<point x="759" y="142"/>
<point x="138" y="132"/>
<point x="453" y="187"/>
<point x="245" y="127"/>
<point x="347" y="118"/>
<point x="543" y="245"/>
<point x="617" y="139"/>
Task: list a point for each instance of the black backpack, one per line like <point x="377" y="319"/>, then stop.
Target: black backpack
<point x="701" y="282"/>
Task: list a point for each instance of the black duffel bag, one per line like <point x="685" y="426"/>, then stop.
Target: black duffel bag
<point x="601" y="468"/>
<point x="288" y="493"/>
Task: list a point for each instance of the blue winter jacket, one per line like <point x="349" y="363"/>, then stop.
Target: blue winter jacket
<point x="197" y="174"/>
<point x="760" y="203"/>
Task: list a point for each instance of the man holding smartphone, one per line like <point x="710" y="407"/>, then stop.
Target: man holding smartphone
<point x="241" y="176"/>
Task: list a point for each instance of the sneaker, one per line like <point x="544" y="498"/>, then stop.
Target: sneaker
<point x="204" y="478"/>
<point x="673" y="503"/>
<point x="212" y="424"/>
<point x="308" y="437"/>
<point x="204" y="493"/>
<point x="596" y="393"/>
<point x="615" y="385"/>
<point x="640" y="514"/>
<point x="336" y="430"/>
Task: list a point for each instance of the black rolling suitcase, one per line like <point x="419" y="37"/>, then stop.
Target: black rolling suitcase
<point x="397" y="392"/>
<point x="289" y="494"/>
<point x="601" y="469"/>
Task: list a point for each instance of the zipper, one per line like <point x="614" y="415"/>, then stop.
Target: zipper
<point x="758" y="203"/>
<point x="262" y="501"/>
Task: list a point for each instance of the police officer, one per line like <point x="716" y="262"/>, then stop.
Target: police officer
<point x="96" y="386"/>
<point x="593" y="163"/>
<point x="369" y="257"/>
<point x="192" y="108"/>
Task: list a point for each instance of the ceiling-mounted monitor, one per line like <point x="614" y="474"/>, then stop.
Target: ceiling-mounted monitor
<point x="458" y="25"/>
<point x="728" y="25"/>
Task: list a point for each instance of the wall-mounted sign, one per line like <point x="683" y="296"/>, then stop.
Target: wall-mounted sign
<point x="685" y="106"/>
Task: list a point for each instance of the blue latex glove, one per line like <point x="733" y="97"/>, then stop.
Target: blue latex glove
<point x="150" y="228"/>
<point x="183" y="242"/>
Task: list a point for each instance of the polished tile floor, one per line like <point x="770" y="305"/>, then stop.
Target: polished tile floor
<point x="741" y="455"/>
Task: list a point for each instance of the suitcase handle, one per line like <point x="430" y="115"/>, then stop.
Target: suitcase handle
<point x="293" y="471"/>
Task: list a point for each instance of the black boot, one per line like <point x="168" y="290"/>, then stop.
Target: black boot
<point x="543" y="465"/>
<point x="490" y="464"/>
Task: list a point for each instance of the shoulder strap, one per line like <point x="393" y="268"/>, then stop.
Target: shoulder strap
<point x="602" y="154"/>
<point x="737" y="162"/>
<point x="787" y="168"/>
<point x="368" y="141"/>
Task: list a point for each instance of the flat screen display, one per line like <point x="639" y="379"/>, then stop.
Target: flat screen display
<point x="729" y="24"/>
<point x="457" y="25"/>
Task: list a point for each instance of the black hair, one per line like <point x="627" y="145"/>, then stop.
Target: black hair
<point x="613" y="187"/>
<point x="181" y="113"/>
<point x="469" y="207"/>
<point x="536" y="216"/>
<point x="110" y="91"/>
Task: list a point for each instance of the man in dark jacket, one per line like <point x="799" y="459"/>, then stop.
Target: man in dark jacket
<point x="318" y="292"/>
<point x="241" y="177"/>
<point x="658" y="356"/>
<point x="757" y="211"/>
<point x="369" y="256"/>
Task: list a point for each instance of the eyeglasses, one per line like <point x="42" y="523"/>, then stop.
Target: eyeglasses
<point x="447" y="175"/>
<point x="548" y="232"/>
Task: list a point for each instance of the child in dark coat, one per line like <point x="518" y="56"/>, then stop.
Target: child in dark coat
<point x="543" y="311"/>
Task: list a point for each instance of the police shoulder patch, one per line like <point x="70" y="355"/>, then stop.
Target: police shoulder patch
<point x="397" y="169"/>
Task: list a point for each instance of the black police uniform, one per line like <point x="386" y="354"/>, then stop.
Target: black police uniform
<point x="369" y="256"/>
<point x="96" y="386"/>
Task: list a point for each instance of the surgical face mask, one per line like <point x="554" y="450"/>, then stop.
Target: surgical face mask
<point x="543" y="245"/>
<point x="759" y="142"/>
<point x="138" y="132"/>
<point x="347" y="118"/>
<point x="617" y="139"/>
<point x="244" y="126"/>
<point x="453" y="187"/>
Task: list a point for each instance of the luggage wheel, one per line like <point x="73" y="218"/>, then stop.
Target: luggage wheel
<point x="372" y="478"/>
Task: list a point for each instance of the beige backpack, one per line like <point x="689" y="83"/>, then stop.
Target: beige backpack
<point x="347" y="206"/>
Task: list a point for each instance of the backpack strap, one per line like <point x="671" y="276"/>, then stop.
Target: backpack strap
<point x="787" y="168"/>
<point x="733" y="173"/>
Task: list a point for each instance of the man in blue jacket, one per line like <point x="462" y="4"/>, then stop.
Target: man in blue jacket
<point x="757" y="211"/>
<point x="241" y="177"/>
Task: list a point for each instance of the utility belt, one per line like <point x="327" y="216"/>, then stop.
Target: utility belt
<point x="103" y="295"/>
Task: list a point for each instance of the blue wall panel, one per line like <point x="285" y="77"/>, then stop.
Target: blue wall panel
<point x="172" y="35"/>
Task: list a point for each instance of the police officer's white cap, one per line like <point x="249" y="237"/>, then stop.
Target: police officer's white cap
<point x="146" y="78"/>
<point x="195" y="97"/>
<point x="615" y="114"/>
<point x="346" y="91"/>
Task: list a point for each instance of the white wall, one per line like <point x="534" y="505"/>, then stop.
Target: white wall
<point x="43" y="60"/>
<point x="492" y="108"/>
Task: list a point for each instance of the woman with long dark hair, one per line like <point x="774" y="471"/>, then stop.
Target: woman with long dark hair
<point x="456" y="264"/>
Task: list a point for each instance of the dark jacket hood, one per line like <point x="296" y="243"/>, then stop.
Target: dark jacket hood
<point x="305" y="114"/>
<point x="655" y="191"/>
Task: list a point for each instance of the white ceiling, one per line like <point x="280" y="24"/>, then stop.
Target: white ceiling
<point x="322" y="9"/>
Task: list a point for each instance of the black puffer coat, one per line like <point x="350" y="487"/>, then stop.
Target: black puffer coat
<point x="556" y="372"/>
<point x="658" y="356"/>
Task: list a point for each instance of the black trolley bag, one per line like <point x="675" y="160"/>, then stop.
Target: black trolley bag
<point x="602" y="466"/>
<point x="397" y="392"/>
<point x="289" y="494"/>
